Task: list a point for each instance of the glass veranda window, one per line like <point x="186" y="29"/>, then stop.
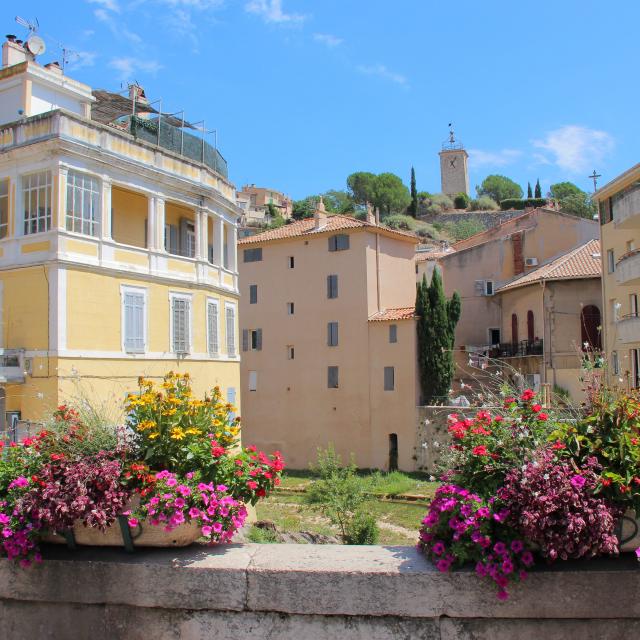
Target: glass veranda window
<point x="83" y="210"/>
<point x="36" y="197"/>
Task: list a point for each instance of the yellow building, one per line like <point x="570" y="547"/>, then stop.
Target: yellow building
<point x="619" y="207"/>
<point x="117" y="254"/>
<point x="329" y="341"/>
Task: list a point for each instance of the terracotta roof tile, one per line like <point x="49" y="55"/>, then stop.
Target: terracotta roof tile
<point x="583" y="262"/>
<point x="334" y="223"/>
<point x="401" y="313"/>
<point x="424" y="256"/>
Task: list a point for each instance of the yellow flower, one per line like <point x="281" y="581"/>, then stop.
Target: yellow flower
<point x="177" y="433"/>
<point x="169" y="412"/>
<point x="154" y="435"/>
<point x="146" y="424"/>
<point x="193" y="432"/>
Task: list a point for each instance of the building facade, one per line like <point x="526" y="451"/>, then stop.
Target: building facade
<point x="254" y="203"/>
<point x="117" y="256"/>
<point x="328" y="341"/>
<point x="619" y="212"/>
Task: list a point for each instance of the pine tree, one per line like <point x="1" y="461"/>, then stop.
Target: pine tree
<point x="437" y="320"/>
<point x="529" y="192"/>
<point x="413" y="207"/>
<point x="538" y="189"/>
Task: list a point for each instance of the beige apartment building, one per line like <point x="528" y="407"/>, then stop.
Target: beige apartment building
<point x="619" y="207"/>
<point x="328" y="341"/>
<point x="480" y="265"/>
<point x="254" y="202"/>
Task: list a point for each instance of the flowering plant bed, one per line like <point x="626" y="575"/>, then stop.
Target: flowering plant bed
<point x="174" y="473"/>
<point x="522" y="487"/>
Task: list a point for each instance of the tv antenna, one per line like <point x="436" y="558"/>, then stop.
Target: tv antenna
<point x="68" y="55"/>
<point x="32" y="26"/>
<point x="35" y="44"/>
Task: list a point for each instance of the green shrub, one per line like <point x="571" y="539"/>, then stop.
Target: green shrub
<point x="483" y="203"/>
<point x="400" y="221"/>
<point x="461" y="201"/>
<point x="520" y="203"/>
<point x="362" y="529"/>
<point x="262" y="536"/>
<point x="464" y="229"/>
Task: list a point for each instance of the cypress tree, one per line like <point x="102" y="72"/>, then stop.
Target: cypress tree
<point x="538" y="189"/>
<point x="529" y="192"/>
<point x="437" y="320"/>
<point x="413" y="207"/>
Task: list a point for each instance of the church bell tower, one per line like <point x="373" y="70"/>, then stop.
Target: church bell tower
<point x="454" y="175"/>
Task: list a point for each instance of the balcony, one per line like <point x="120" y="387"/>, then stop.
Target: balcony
<point x="629" y="328"/>
<point x="626" y="207"/>
<point x="517" y="349"/>
<point x="628" y="268"/>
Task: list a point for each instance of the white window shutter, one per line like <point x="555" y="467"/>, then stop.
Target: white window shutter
<point x="212" y="320"/>
<point x="231" y="331"/>
<point x="133" y="321"/>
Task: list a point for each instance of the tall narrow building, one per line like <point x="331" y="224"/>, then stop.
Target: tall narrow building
<point x="117" y="246"/>
<point x="454" y="174"/>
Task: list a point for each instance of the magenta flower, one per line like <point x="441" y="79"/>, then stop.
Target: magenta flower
<point x="577" y="482"/>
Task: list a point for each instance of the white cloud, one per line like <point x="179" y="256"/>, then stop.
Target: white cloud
<point x="479" y="158"/>
<point x="575" y="148"/>
<point x="79" y="59"/>
<point x="382" y="71"/>
<point x="327" y="39"/>
<point x="200" y="5"/>
<point x="271" y="11"/>
<point x="128" y="67"/>
<point x="109" y="5"/>
<point x="117" y="28"/>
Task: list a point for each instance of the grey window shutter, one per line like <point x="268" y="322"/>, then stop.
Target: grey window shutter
<point x="343" y="242"/>
<point x="245" y="339"/>
<point x="210" y="253"/>
<point x="332" y="334"/>
<point x="389" y="378"/>
<point x="393" y="333"/>
<point x="333" y="243"/>
<point x="258" y="339"/>
<point x="146" y="233"/>
<point x="479" y="287"/>
<point x="332" y="377"/>
<point x="253" y="294"/>
<point x="332" y="286"/>
<point x="184" y="243"/>
<point x="134" y="322"/>
<point x="171" y="238"/>
<point x="213" y="328"/>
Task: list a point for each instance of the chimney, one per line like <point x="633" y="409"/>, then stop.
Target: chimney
<point x="55" y="67"/>
<point x="320" y="215"/>
<point x="370" y="216"/>
<point x="136" y="92"/>
<point x="377" y="221"/>
<point x="444" y="245"/>
<point x="13" y="52"/>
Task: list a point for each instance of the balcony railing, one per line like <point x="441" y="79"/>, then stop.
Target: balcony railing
<point x="628" y="268"/>
<point x="629" y="328"/>
<point x="517" y="349"/>
<point x="626" y="207"/>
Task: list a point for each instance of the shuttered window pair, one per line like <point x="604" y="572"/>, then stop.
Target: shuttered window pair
<point x="252" y="339"/>
<point x="339" y="242"/>
<point x="133" y="314"/>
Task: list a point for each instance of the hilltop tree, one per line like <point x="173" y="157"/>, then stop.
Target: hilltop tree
<point x="573" y="200"/>
<point x="538" y="191"/>
<point x="413" y="207"/>
<point x="437" y="320"/>
<point x="499" y="188"/>
<point x="304" y="208"/>
<point x="338" y="202"/>
<point x="360" y="185"/>
<point x="561" y="190"/>
<point x="529" y="192"/>
<point x="390" y="194"/>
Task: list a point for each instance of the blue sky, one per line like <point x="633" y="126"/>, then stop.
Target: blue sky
<point x="304" y="92"/>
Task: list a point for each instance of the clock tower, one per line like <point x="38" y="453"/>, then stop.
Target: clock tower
<point x="454" y="176"/>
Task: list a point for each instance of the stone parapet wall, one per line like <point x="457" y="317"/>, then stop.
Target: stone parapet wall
<point x="305" y="591"/>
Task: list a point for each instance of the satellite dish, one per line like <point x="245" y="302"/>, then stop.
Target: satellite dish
<point x="36" y="45"/>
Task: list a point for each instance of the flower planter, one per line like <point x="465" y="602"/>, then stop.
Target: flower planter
<point x="120" y="534"/>
<point x="628" y="531"/>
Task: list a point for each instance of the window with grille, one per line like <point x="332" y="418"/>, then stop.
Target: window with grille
<point x="36" y="198"/>
<point x="212" y="328"/>
<point x="332" y="286"/>
<point x="389" y="378"/>
<point x="230" y="312"/>
<point x="4" y="208"/>
<point x="332" y="334"/>
<point x="339" y="242"/>
<point x="393" y="333"/>
<point x="332" y="377"/>
<point x="133" y="320"/>
<point x="180" y="314"/>
<point x="83" y="204"/>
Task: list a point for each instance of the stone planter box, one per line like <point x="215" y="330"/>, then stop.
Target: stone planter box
<point x="628" y="531"/>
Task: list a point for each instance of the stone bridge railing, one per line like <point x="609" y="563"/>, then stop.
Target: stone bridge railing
<point x="302" y="592"/>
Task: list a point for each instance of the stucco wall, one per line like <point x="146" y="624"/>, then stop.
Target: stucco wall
<point x="307" y="591"/>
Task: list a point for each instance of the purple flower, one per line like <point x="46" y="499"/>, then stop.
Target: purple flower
<point x="577" y="482"/>
<point x="439" y="548"/>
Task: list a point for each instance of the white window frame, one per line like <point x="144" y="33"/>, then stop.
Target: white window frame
<point x="188" y="298"/>
<point x="611" y="261"/>
<point x="24" y="199"/>
<point x="488" y="284"/>
<point x="213" y="353"/>
<point x="90" y="196"/>
<point x="234" y="307"/>
<point x="124" y="289"/>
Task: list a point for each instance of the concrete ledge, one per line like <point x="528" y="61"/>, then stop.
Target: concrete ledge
<point x="298" y="591"/>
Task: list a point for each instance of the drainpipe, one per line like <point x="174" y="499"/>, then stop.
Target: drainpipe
<point x="544" y="334"/>
<point x="378" y="261"/>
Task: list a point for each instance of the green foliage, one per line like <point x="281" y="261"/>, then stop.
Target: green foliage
<point x="276" y="222"/>
<point x="561" y="190"/>
<point x="390" y="484"/>
<point x="529" y="192"/>
<point x="499" y="188"/>
<point x="338" y="493"/>
<point x="437" y="319"/>
<point x="538" y="191"/>
<point x="385" y="191"/>
<point x="464" y="229"/>
<point x="483" y="203"/>
<point x="520" y="204"/>
<point x="578" y="204"/>
<point x="362" y="529"/>
<point x="338" y="202"/>
<point x="262" y="536"/>
<point x="272" y="210"/>
<point x="407" y="223"/>
<point x="413" y="207"/>
<point x="436" y="203"/>
<point x="360" y="185"/>
<point x="461" y="201"/>
<point x="304" y="208"/>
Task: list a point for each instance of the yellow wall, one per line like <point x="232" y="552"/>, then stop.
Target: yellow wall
<point x="173" y="213"/>
<point x="130" y="212"/>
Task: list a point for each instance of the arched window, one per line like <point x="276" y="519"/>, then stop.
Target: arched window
<point x="590" y="328"/>
<point x="514" y="328"/>
<point x="531" y="332"/>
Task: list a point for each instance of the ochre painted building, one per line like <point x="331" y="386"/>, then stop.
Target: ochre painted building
<point x="328" y="341"/>
<point x="619" y="210"/>
<point x="117" y="255"/>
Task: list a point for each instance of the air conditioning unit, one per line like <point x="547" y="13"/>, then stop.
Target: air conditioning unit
<point x="531" y="262"/>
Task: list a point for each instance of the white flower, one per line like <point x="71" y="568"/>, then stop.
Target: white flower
<point x="432" y="478"/>
<point x="436" y="445"/>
